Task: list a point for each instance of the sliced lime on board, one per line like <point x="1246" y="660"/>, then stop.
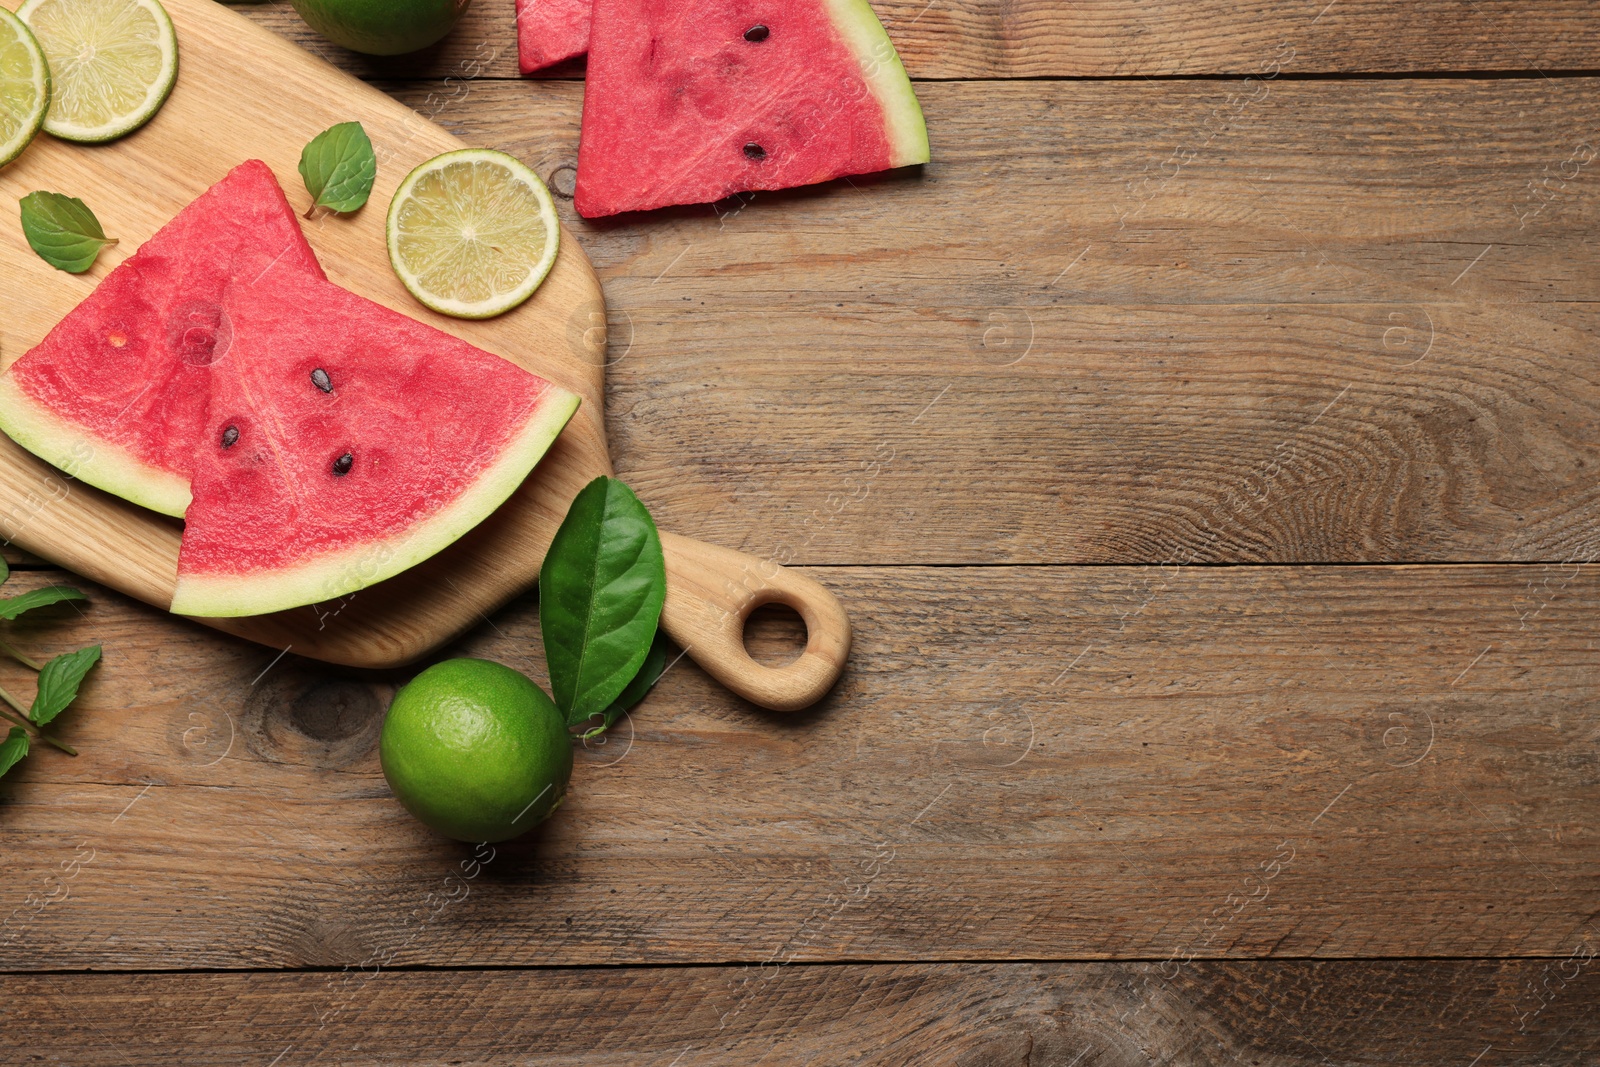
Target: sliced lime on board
<point x="472" y="233"/>
<point x="24" y="86"/>
<point x="112" y="64"/>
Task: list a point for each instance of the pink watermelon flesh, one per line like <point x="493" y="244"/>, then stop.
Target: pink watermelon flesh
<point x="116" y="393"/>
<point x="687" y="104"/>
<point x="345" y="442"/>
<point x="549" y="31"/>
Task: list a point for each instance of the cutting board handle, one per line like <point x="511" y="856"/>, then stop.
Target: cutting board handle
<point x="711" y="591"/>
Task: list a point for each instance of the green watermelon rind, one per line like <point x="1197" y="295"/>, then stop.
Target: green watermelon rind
<point x="886" y="76"/>
<point x="339" y="574"/>
<point x="84" y="455"/>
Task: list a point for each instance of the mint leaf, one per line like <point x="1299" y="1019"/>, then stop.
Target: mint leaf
<point x="59" y="681"/>
<point x="13" y="748"/>
<point x="12" y="606"/>
<point x="339" y="168"/>
<point x="600" y="594"/>
<point x="654" y="663"/>
<point x="63" y="231"/>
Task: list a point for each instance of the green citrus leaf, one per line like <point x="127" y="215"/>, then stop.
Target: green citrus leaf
<point x="63" y="231"/>
<point x="12" y="606"/>
<point x="13" y="748"/>
<point x="600" y="594"/>
<point x="5" y="570"/>
<point x="339" y="167"/>
<point x="654" y="663"/>
<point x="59" y="681"/>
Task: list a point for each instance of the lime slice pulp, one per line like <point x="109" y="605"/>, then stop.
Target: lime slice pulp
<point x="24" y="86"/>
<point x="472" y="233"/>
<point x="113" y="63"/>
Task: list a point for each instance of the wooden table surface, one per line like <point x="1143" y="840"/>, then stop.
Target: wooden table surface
<point x="1205" y="446"/>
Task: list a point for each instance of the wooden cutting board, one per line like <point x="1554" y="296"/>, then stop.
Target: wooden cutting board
<point x="242" y="93"/>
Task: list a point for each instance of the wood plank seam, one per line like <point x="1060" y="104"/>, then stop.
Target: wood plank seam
<point x="1284" y="1015"/>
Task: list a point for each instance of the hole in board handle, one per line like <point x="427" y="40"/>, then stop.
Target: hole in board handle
<point x="775" y="634"/>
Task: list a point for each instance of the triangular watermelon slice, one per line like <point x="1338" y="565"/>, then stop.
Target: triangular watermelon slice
<point x="344" y="443"/>
<point x="116" y="393"/>
<point x="687" y="104"/>
<point x="549" y="31"/>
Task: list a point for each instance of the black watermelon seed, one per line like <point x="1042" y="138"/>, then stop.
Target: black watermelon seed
<point x="758" y="32"/>
<point x="343" y="463"/>
<point x="754" y="151"/>
<point x="230" y="436"/>
<point x="320" y="379"/>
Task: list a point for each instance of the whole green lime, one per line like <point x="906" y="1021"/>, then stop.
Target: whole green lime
<point x="476" y="750"/>
<point x="382" y="27"/>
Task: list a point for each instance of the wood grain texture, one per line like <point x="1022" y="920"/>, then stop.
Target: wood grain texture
<point x="1272" y="1014"/>
<point x="1344" y="330"/>
<point x="1106" y="38"/>
<point x="1021" y="763"/>
<point x="1219" y="312"/>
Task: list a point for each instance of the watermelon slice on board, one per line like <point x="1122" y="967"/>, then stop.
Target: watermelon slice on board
<point x="116" y="393"/>
<point x="686" y="104"/>
<point x="344" y="443"/>
<point x="549" y="31"/>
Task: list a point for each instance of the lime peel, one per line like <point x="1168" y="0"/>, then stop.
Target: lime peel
<point x="472" y="233"/>
<point x="476" y="750"/>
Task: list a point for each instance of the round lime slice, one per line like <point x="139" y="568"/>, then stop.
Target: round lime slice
<point x="113" y="63"/>
<point x="24" y="86"/>
<point x="472" y="233"/>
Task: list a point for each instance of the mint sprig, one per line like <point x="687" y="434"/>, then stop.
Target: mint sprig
<point x="339" y="168"/>
<point x="63" y="231"/>
<point x="13" y="748"/>
<point x="59" y="682"/>
<point x="59" y="679"/>
<point x="11" y="607"/>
